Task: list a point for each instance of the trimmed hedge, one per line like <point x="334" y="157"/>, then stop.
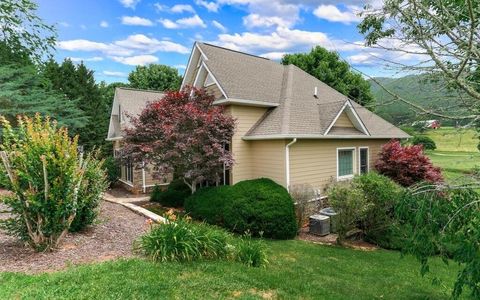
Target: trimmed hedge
<point x="174" y="196"/>
<point x="259" y="206"/>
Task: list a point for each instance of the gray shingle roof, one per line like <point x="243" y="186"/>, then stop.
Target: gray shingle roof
<point x="299" y="113"/>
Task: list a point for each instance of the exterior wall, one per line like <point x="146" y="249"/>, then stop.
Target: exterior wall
<point x="343" y="121"/>
<point x="314" y="162"/>
<point x="269" y="160"/>
<point x="246" y="117"/>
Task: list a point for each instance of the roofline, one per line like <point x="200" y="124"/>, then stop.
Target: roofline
<point x="320" y="136"/>
<point x="245" y="102"/>
<point x="240" y="52"/>
<point x="139" y="90"/>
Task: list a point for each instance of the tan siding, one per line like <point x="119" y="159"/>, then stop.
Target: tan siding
<point x="343" y="121"/>
<point x="269" y="160"/>
<point x="315" y="161"/>
<point x="214" y="90"/>
<point x="246" y="117"/>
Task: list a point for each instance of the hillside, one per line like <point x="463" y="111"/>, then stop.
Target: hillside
<point x="418" y="89"/>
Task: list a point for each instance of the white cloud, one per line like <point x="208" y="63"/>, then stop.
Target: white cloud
<point x="138" y="60"/>
<point x="180" y="66"/>
<point x="160" y="7"/>
<point x="129" y="3"/>
<point x="333" y="14"/>
<point x="210" y="6"/>
<point x="362" y="59"/>
<point x="78" y="59"/>
<point x="219" y="26"/>
<point x="180" y="8"/>
<point x="136" y="21"/>
<point x="283" y="40"/>
<point x="255" y="20"/>
<point x="133" y="45"/>
<point x="104" y="24"/>
<point x="273" y="55"/>
<point x="115" y="74"/>
<point x="194" y="21"/>
<point x="64" y="24"/>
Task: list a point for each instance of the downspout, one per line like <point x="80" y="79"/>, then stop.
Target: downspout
<point x="144" y="188"/>
<point x="287" y="161"/>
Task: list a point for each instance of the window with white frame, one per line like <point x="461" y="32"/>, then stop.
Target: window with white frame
<point x="345" y="163"/>
<point x="363" y="160"/>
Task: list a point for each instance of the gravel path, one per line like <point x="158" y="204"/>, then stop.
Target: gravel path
<point x="110" y="238"/>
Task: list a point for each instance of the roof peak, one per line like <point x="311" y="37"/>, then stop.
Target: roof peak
<point x="236" y="51"/>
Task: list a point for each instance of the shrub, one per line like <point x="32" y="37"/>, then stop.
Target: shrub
<point x="183" y="241"/>
<point x="174" y="196"/>
<point x="351" y="205"/>
<point x="93" y="184"/>
<point x="425" y="141"/>
<point x="301" y="194"/>
<point x="45" y="174"/>
<point x="406" y="165"/>
<point x="112" y="167"/>
<point x="259" y="206"/>
<point x="250" y="252"/>
<point x="381" y="195"/>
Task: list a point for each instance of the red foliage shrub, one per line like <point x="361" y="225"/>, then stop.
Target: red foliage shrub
<point x="406" y="165"/>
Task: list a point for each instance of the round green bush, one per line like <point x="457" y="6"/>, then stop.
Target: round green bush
<point x="259" y="206"/>
<point x="174" y="196"/>
<point x="428" y="143"/>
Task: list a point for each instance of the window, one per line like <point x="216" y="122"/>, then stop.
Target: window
<point x="363" y="160"/>
<point x="128" y="171"/>
<point x="345" y="159"/>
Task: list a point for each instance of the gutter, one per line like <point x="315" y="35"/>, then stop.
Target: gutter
<point x="287" y="162"/>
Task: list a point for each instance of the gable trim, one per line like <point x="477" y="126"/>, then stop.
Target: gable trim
<point x="194" y="48"/>
<point x="214" y="79"/>
<point x="359" y="122"/>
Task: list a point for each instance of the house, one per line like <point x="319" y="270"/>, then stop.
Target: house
<point x="291" y="127"/>
<point x="130" y="102"/>
<point x="431" y="124"/>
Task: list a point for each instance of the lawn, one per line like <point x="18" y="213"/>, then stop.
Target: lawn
<point x="297" y="270"/>
<point x="456" y="152"/>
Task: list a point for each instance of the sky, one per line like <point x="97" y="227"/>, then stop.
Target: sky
<point x="113" y="36"/>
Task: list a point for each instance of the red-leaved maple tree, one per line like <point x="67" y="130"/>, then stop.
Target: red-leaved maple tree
<point x="407" y="165"/>
<point x="182" y="134"/>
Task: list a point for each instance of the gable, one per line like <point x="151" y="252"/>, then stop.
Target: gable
<point x="343" y="121"/>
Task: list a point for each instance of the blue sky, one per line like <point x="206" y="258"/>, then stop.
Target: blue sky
<point x="112" y="36"/>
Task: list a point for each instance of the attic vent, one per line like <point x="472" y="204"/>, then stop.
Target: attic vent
<point x="315" y="92"/>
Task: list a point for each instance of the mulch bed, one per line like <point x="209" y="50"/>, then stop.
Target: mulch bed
<point x="331" y="239"/>
<point x="110" y="238"/>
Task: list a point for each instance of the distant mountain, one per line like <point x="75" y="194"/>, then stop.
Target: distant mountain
<point x="419" y="89"/>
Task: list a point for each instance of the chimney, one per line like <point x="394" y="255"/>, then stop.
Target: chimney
<point x="315" y="93"/>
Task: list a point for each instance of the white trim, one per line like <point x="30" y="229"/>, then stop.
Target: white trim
<point x="143" y="177"/>
<point x="245" y="102"/>
<point x="368" y="159"/>
<point x="318" y="136"/>
<point x="201" y="71"/>
<point x="126" y="182"/>
<point x="287" y="162"/>
<point x="190" y="59"/>
<point x="352" y="110"/>
<point x="117" y="138"/>
<point x="214" y="79"/>
<point x="350" y="176"/>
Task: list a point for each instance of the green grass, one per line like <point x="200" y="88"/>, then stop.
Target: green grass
<point x="453" y="139"/>
<point x="297" y="270"/>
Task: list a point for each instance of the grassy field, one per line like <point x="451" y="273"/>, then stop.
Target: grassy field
<point x="297" y="270"/>
<point x="456" y="152"/>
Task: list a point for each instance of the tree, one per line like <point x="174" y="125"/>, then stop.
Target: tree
<point x="155" y="77"/>
<point x="22" y="32"/>
<point x="443" y="36"/>
<point x="329" y="68"/>
<point x="78" y="83"/>
<point x="182" y="134"/>
<point x="22" y="92"/>
<point x="406" y="165"/>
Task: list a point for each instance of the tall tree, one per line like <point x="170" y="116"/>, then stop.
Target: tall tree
<point x="77" y="82"/>
<point x="155" y="77"/>
<point x="183" y="134"/>
<point x="22" y="92"/>
<point x="22" y="32"/>
<point x="329" y="68"/>
<point x="443" y="36"/>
